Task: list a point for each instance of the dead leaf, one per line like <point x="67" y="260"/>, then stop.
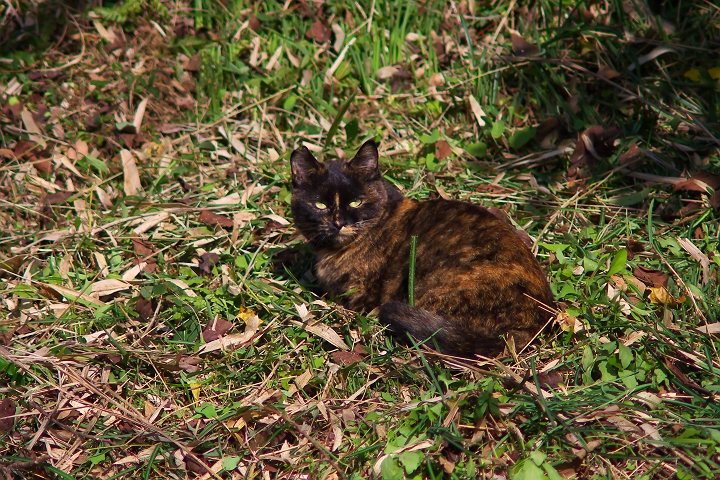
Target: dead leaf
<point x="210" y="218"/>
<point x="151" y="222"/>
<point x="184" y="286"/>
<point x="317" y="328"/>
<point x="442" y="150"/>
<point x="108" y="287"/>
<point x="277" y="218"/>
<point x="254" y="23"/>
<point x="229" y="341"/>
<point x="624" y="425"/>
<point x="168" y="128"/>
<point x="7" y="415"/>
<point x="700" y="183"/>
<point x="651" y="277"/>
<point x="11" y="266"/>
<point x="34" y="132"/>
<point x="207" y="261"/>
<point x="477" y="111"/>
<point x="447" y="465"/>
<point x="711" y="328"/>
<point x="633" y="153"/>
<point x="383" y="73"/>
<point x="661" y="296"/>
<point x="71" y="294"/>
<point x="319" y="31"/>
<point x="346" y="358"/>
<point x="593" y="144"/>
<point x="56" y="198"/>
<point x="654" y="53"/>
<point x="145" y="309"/>
<point x="548" y="126"/>
<point x="216" y="329"/>
<point x="521" y="47"/>
<point x="700" y="257"/>
<point x="549" y="379"/>
<point x="193" y="63"/>
<point x="140" y="113"/>
<point x="566" y="321"/>
<point x="633" y="247"/>
<point x="607" y="72"/>
<point x="131" y="183"/>
<point x="684" y="379"/>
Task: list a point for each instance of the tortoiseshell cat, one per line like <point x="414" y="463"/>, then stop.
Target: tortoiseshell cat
<point x="475" y="279"/>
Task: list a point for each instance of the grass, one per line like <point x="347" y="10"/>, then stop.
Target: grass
<point x="160" y="314"/>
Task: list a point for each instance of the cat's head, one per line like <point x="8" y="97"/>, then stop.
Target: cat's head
<point x="333" y="202"/>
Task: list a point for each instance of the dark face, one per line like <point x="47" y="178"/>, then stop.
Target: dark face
<point x="333" y="202"/>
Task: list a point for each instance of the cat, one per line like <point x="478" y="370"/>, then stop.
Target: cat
<point x="475" y="279"/>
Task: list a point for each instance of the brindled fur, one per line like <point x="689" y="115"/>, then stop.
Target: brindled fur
<point x="475" y="280"/>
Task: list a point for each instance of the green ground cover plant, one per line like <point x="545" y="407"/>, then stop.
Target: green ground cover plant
<point x="159" y="314"/>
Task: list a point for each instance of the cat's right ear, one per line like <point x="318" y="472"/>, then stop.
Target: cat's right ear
<point x="304" y="166"/>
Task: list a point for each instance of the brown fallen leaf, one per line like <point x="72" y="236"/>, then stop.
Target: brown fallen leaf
<point x="607" y="72"/>
<point x="216" y="329"/>
<point x="210" y="218"/>
<point x="189" y="363"/>
<point x="700" y="183"/>
<point x="684" y="379"/>
<point x="549" y="379"/>
<point x="236" y="339"/>
<point x="521" y="47"/>
<point x="346" y="358"/>
<point x="442" y="150"/>
<point x="208" y="261"/>
<point x="548" y="126"/>
<point x="593" y="144"/>
<point x="447" y="465"/>
<point x="144" y="308"/>
<point x="11" y="266"/>
<point x="56" y="198"/>
<point x="651" y="277"/>
<point x="319" y="31"/>
<point x="195" y="466"/>
<point x="193" y="63"/>
<point x="254" y="23"/>
<point x="7" y="415"/>
<point x="144" y="252"/>
<point x="168" y="128"/>
<point x="633" y="247"/>
<point x="633" y="153"/>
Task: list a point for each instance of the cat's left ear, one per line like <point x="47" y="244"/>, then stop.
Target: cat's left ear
<point x="304" y="166"/>
<point x="365" y="162"/>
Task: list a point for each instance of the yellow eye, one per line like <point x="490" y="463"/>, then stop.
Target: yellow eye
<point x="355" y="203"/>
<point x="320" y="206"/>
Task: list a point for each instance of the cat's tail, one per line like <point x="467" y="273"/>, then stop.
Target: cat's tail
<point x="437" y="332"/>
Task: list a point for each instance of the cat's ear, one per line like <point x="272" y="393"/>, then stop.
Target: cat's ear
<point x="365" y="162"/>
<point x="304" y="166"/>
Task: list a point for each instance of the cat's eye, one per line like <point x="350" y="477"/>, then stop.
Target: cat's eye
<point x="320" y="205"/>
<point x="355" y="203"/>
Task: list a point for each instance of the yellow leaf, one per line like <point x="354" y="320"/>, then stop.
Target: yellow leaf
<point x="660" y="296"/>
<point x="566" y="321"/>
<point x="714" y="73"/>
<point x="693" y="75"/>
<point x="237" y="425"/>
<point x="245" y="313"/>
<point x="195" y="389"/>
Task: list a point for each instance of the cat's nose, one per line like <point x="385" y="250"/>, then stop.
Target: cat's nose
<point x="338" y="223"/>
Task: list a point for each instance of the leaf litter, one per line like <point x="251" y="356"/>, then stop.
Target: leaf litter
<point x="157" y="295"/>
